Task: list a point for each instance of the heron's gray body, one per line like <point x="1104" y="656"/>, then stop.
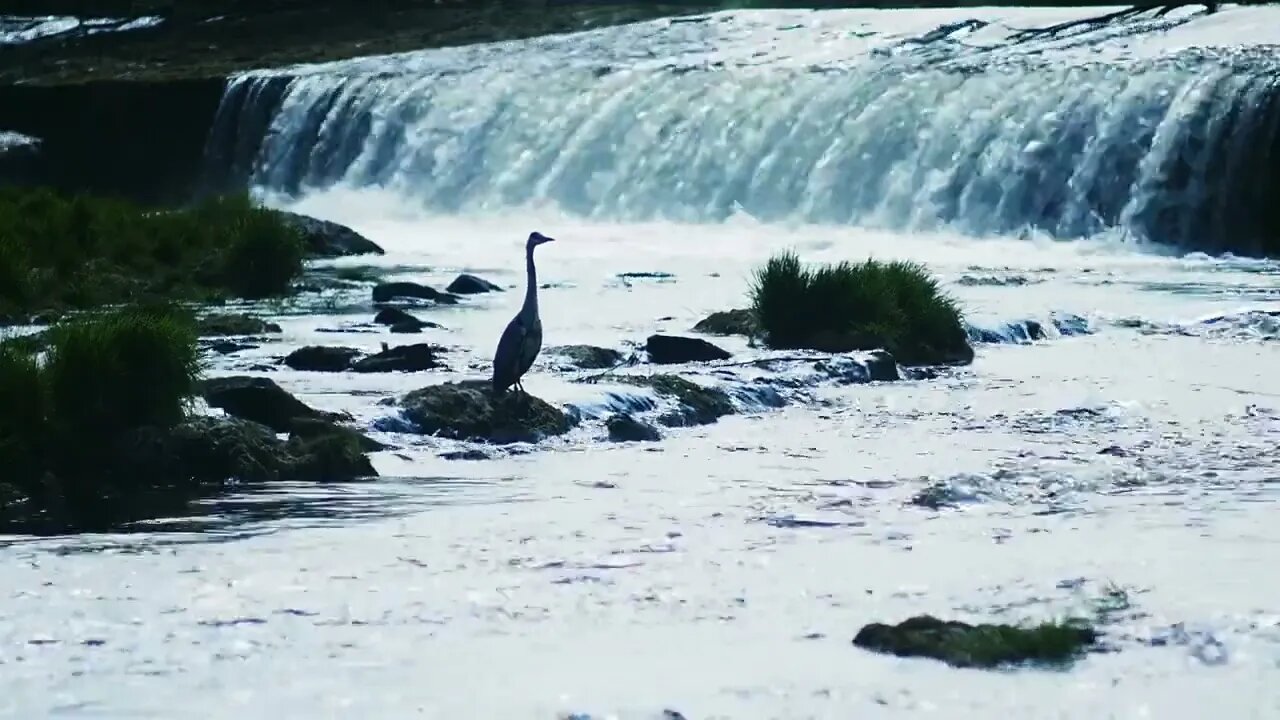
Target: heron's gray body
<point x="522" y="340"/>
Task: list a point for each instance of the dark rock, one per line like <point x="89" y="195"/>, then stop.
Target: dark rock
<point x="659" y="275"/>
<point x="588" y="357"/>
<point x="674" y="349"/>
<point x="312" y="428"/>
<point x="625" y="428"/>
<point x="401" y="321"/>
<point x="386" y="292"/>
<point x="730" y="322"/>
<point x="406" y="358"/>
<point x="466" y="284"/>
<point x="468" y="454"/>
<point x="259" y="400"/>
<point x="320" y="358"/>
<point x="331" y="456"/>
<point x="469" y="410"/>
<point x="698" y="405"/>
<point x="325" y="239"/>
<point x="227" y="347"/>
<point x="882" y="367"/>
<point x="230" y="325"/>
<point x="964" y="645"/>
<point x="208" y="450"/>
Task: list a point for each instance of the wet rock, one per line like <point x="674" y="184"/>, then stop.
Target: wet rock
<point x="325" y="239"/>
<point x="386" y="292"/>
<point x="646" y="275"/>
<point x="625" y="428"/>
<point x="698" y="405"/>
<point x="468" y="454"/>
<point x="881" y="367"/>
<point x="226" y="325"/>
<point x="401" y="321"/>
<point x="259" y="400"/>
<point x="405" y="358"/>
<point x="588" y="357"/>
<point x="674" y="349"/>
<point x="729" y="322"/>
<point x="329" y="455"/>
<point x="206" y="450"/>
<point x="466" y="284"/>
<point x="469" y="410"/>
<point x="313" y="428"/>
<point x="320" y="358"/>
<point x="985" y="646"/>
<point x="229" y="347"/>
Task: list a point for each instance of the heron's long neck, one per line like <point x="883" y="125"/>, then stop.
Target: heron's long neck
<point x="531" y="290"/>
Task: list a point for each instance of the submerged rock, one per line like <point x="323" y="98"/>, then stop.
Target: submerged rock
<point x="674" y="349"/>
<point x="226" y="325"/>
<point x="466" y="284"/>
<point x="729" y="322"/>
<point x="259" y="400"/>
<point x="325" y="239"/>
<point x="386" y="292"/>
<point x="469" y="410"/>
<point x="588" y="357"/>
<point x="405" y="358"/>
<point x="625" y="428"/>
<point x="319" y="358"/>
<point x="698" y="405"/>
<point x="985" y="646"/>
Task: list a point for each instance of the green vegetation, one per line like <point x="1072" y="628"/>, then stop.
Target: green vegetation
<point x="78" y="252"/>
<point x="896" y="305"/>
<point x="982" y="646"/>
<point x="99" y="428"/>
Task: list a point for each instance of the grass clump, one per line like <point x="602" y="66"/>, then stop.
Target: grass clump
<point x="79" y="252"/>
<point x="894" y="305"/>
<point x="97" y="426"/>
<point x="982" y="646"/>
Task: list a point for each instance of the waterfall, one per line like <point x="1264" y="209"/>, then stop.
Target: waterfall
<point x="909" y="120"/>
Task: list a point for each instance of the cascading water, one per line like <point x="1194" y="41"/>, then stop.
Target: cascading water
<point x="839" y="117"/>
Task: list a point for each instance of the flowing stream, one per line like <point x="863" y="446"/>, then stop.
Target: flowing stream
<point x="1113" y="183"/>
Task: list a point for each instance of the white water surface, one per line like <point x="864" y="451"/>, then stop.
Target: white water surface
<point x="723" y="571"/>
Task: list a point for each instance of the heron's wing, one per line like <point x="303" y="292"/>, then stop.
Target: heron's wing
<point x="507" y="358"/>
<point x="530" y="345"/>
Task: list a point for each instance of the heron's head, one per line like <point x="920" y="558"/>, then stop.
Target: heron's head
<point x="537" y="238"/>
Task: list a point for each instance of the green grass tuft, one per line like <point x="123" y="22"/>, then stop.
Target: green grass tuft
<point x="896" y="305"/>
<point x="123" y="369"/>
<point x="78" y="252"/>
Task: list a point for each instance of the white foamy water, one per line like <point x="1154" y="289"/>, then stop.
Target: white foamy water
<point x="19" y="29"/>
<point x="723" y="571"/>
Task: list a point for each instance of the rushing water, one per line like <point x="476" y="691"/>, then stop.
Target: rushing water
<point x="723" y="571"/>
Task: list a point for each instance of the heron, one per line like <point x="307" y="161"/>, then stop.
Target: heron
<point x="522" y="340"/>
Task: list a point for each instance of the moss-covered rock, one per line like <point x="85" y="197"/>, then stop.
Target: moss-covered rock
<point x="698" y="405"/>
<point x="469" y="410"/>
<point x="985" y="646"/>
<point x="730" y="322"/>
